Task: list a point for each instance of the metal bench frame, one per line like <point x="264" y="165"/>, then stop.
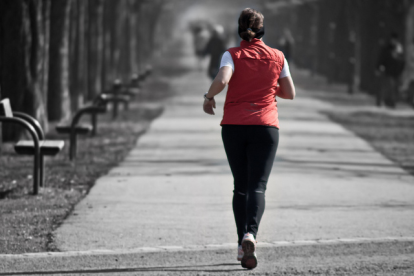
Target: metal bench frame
<point x="36" y="132"/>
<point x="93" y="110"/>
<point x="118" y="94"/>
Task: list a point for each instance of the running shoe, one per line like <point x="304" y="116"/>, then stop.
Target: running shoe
<point x="249" y="259"/>
<point x="240" y="253"/>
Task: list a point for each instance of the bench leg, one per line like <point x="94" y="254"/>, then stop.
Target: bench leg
<point x="94" y="123"/>
<point x="114" y="109"/>
<point x="41" y="171"/>
<point x="36" y="169"/>
<point x="72" y="147"/>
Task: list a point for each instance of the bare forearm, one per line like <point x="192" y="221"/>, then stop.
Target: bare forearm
<point x="216" y="87"/>
<point x="220" y="81"/>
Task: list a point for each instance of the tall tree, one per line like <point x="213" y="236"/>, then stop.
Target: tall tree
<point x="35" y="102"/>
<point x="110" y="39"/>
<point x="44" y="39"/>
<point x="78" y="54"/>
<point x="95" y="47"/>
<point x="58" y="84"/>
<point x="134" y="7"/>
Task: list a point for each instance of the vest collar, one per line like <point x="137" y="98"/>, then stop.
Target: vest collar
<point x="254" y="41"/>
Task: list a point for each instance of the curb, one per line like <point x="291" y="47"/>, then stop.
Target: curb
<point x="205" y="247"/>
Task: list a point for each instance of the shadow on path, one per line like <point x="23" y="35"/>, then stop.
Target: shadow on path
<point x="193" y="268"/>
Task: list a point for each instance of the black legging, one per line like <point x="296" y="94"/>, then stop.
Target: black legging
<point x="250" y="151"/>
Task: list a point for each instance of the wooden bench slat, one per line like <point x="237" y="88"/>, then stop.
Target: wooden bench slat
<point x="117" y="97"/>
<point x="47" y="147"/>
<point x="79" y="129"/>
<point x="5" y="109"/>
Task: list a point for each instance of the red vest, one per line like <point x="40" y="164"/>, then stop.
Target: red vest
<point x="251" y="93"/>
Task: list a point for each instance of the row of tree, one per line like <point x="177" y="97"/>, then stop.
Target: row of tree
<point x="57" y="54"/>
<point x="342" y="39"/>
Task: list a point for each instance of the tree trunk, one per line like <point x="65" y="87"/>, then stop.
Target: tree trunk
<point x="408" y="76"/>
<point x="95" y="47"/>
<point x="110" y="39"/>
<point x="12" y="59"/>
<point x="75" y="99"/>
<point x="36" y="99"/>
<point x="354" y="11"/>
<point x="44" y="39"/>
<point x="369" y="47"/>
<point x="121" y="40"/>
<point x="58" y="88"/>
<point x="78" y="56"/>
<point x="21" y="69"/>
<point x="154" y="18"/>
<point x="134" y="7"/>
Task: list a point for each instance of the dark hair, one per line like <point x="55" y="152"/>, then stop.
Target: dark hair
<point x="250" y="19"/>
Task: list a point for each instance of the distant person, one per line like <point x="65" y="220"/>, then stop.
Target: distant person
<point x="286" y="43"/>
<point x="390" y="66"/>
<point x="215" y="48"/>
<point x="201" y="36"/>
<point x="255" y="74"/>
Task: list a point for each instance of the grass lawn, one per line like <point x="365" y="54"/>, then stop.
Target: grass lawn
<point x="390" y="133"/>
<point x="392" y="136"/>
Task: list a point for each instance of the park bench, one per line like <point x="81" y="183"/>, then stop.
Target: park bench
<point x="145" y="74"/>
<point x="134" y="87"/>
<point x="116" y="95"/>
<point x="135" y="83"/>
<point x="38" y="146"/>
<point x="74" y="129"/>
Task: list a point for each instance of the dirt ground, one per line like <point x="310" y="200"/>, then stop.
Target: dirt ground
<point x="27" y="220"/>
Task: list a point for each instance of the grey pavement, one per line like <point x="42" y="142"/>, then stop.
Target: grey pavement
<point x="175" y="187"/>
<point x="386" y="258"/>
<point x="173" y="191"/>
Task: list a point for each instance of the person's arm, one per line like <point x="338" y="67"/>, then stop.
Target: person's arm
<point x="286" y="88"/>
<point x="219" y="83"/>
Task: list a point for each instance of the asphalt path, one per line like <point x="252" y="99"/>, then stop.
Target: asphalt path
<point x="329" y="258"/>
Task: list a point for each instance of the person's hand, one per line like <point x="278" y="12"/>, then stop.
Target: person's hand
<point x="208" y="106"/>
<point x="277" y="89"/>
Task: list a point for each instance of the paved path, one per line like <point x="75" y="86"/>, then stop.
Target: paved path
<point x="175" y="187"/>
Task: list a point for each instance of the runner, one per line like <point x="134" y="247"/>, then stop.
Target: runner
<point x="215" y="48"/>
<point x="256" y="74"/>
<point x="201" y="36"/>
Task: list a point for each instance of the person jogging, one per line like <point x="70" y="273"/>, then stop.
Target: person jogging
<point x="255" y="75"/>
